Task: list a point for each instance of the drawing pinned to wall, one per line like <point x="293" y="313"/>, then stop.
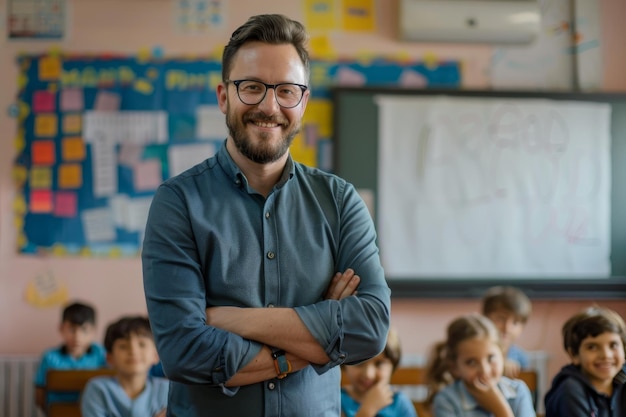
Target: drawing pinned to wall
<point x="45" y="290"/>
<point x="36" y="19"/>
<point x="199" y="16"/>
<point x="97" y="135"/>
<point x="358" y="15"/>
<point x="320" y="15"/>
<point x="547" y="63"/>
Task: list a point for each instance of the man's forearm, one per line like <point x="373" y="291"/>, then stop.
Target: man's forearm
<point x="279" y="327"/>
<point x="262" y="368"/>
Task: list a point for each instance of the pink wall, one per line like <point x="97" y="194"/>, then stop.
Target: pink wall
<point x="115" y="286"/>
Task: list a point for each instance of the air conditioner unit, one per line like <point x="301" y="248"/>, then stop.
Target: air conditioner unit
<point x="479" y="21"/>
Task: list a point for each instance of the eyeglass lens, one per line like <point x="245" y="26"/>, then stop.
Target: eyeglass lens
<point x="253" y="92"/>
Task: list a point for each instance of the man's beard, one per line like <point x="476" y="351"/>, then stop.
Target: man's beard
<point x="264" y="152"/>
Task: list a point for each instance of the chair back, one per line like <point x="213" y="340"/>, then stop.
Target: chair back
<point x="66" y="381"/>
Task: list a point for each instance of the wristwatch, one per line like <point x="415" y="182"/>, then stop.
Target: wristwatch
<point x="281" y="363"/>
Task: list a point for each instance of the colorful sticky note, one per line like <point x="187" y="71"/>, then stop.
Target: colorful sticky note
<point x="321" y="47"/>
<point x="107" y="101"/>
<point x="43" y="101"/>
<point x="358" y="15"/>
<point x="41" y="177"/>
<point x="72" y="123"/>
<point x="49" y="68"/>
<point x="65" y="204"/>
<point x="72" y="99"/>
<point x="320" y="15"/>
<point x="147" y="175"/>
<point x="45" y="125"/>
<point x="42" y="152"/>
<point x="70" y="176"/>
<point x="40" y="201"/>
<point x="73" y="149"/>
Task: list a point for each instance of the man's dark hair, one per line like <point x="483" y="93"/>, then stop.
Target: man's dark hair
<point x="79" y="314"/>
<point x="124" y="328"/>
<point x="275" y="29"/>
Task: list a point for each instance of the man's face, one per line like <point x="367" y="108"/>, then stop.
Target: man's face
<point x="263" y="132"/>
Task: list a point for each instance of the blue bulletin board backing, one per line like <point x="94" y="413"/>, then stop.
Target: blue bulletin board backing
<point x="98" y="134"/>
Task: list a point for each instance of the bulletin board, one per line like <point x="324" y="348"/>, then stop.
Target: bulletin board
<point x="98" y="134"/>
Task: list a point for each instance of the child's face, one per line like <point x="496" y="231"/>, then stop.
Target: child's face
<point x="134" y="355"/>
<point x="366" y="374"/>
<point x="509" y="325"/>
<point x="77" y="338"/>
<point x="600" y="358"/>
<point x="478" y="359"/>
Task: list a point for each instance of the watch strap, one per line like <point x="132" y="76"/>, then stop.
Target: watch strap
<point x="281" y="363"/>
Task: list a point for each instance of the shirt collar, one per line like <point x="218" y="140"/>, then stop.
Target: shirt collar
<point x="236" y="175"/>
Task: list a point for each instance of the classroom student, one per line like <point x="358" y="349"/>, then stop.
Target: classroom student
<point x="79" y="350"/>
<point x="240" y="253"/>
<point x="369" y="393"/>
<point x="509" y="309"/>
<point x="131" y="391"/>
<point x="593" y="383"/>
<point x="465" y="374"/>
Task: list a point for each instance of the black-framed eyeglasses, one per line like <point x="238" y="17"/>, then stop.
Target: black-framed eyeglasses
<point x="251" y="92"/>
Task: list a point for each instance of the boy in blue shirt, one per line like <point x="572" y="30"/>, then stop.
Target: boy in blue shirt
<point x="78" y="351"/>
<point x="131" y="392"/>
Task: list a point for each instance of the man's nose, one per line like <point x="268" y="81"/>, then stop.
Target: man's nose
<point x="269" y="105"/>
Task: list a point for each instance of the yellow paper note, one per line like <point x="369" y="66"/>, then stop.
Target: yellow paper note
<point x="45" y="125"/>
<point x="49" y="68"/>
<point x="358" y="15"/>
<point x="320" y="112"/>
<point x="40" y="177"/>
<point x="73" y="149"/>
<point x="320" y="15"/>
<point x="70" y="176"/>
<point x="72" y="124"/>
<point x="321" y="47"/>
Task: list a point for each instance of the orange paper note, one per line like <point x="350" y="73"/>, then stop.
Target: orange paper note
<point x="70" y="176"/>
<point x="73" y="149"/>
<point x="42" y="152"/>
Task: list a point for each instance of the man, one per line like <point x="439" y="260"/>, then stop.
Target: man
<point x="254" y="238"/>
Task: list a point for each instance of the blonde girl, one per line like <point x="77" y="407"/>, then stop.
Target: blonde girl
<point x="465" y="374"/>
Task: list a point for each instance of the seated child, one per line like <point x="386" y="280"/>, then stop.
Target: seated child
<point x="131" y="391"/>
<point x="369" y="392"/>
<point x="509" y="309"/>
<point x="593" y="383"/>
<point x="465" y="374"/>
<point x="78" y="351"/>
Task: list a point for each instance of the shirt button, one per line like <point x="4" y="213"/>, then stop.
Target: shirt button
<point x="270" y="305"/>
<point x="271" y="255"/>
<point x="271" y="385"/>
<point x="267" y="215"/>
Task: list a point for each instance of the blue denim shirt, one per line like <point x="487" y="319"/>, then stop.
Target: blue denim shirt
<point x="456" y="401"/>
<point x="211" y="240"/>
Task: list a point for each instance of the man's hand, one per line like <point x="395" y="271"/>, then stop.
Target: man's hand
<point x="342" y="285"/>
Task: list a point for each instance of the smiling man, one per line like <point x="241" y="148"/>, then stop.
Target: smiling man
<point x="251" y="260"/>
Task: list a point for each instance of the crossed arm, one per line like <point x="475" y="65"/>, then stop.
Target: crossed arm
<point x="278" y="327"/>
